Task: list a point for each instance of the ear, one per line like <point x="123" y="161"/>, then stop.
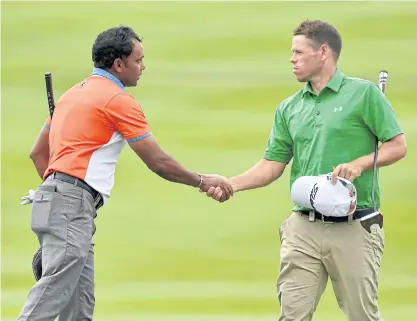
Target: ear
<point x="118" y="64"/>
<point x="324" y="51"/>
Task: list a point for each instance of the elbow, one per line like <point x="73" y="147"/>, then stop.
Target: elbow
<point x="402" y="147"/>
<point x="402" y="151"/>
<point x="36" y="154"/>
<point x="36" y="151"/>
<point x="39" y="156"/>
<point x="399" y="152"/>
<point x="33" y="155"/>
<point x="397" y="149"/>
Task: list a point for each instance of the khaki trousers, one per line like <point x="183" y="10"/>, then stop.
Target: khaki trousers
<point x="311" y="252"/>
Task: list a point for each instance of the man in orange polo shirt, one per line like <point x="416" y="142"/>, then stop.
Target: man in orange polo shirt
<point x="76" y="155"/>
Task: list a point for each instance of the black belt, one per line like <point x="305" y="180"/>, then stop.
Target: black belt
<point x="98" y="199"/>
<point x="356" y="215"/>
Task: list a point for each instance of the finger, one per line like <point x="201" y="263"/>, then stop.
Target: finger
<point x="354" y="175"/>
<point x="218" y="195"/>
<point x="349" y="173"/>
<point x="335" y="174"/>
<point x="344" y="172"/>
<point x="351" y="177"/>
<point x="224" y="197"/>
<point x="224" y="190"/>
<point x="211" y="191"/>
<point x="228" y="189"/>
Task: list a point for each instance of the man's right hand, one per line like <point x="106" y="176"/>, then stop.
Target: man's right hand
<point x="218" y="183"/>
<point x="216" y="193"/>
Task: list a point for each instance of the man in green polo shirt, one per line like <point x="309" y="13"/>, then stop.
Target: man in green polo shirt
<point x="331" y="125"/>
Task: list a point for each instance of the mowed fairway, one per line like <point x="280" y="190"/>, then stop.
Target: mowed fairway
<point x="215" y="74"/>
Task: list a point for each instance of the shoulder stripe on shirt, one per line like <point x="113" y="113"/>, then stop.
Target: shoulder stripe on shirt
<point x="139" y="138"/>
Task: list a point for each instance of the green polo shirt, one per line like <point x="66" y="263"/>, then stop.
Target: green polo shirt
<point x="337" y="126"/>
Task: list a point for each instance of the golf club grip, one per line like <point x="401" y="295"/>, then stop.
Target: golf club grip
<point x="382" y="83"/>
<point x="49" y="93"/>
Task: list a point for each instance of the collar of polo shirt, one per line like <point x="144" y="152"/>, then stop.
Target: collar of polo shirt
<point x="106" y="74"/>
<point x="334" y="83"/>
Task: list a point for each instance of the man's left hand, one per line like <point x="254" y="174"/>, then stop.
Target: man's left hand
<point x="349" y="171"/>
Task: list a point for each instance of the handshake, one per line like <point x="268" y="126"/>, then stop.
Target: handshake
<point x="217" y="187"/>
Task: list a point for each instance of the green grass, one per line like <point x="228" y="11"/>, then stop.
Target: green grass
<point x="215" y="73"/>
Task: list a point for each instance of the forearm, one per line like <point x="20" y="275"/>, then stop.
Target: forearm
<point x="40" y="152"/>
<point x="262" y="174"/>
<point x="172" y="171"/>
<point x="41" y="164"/>
<point x="389" y="153"/>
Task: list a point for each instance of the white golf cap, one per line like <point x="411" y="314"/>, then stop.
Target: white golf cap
<point x="318" y="193"/>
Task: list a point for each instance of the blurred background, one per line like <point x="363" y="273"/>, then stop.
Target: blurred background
<point x="215" y="74"/>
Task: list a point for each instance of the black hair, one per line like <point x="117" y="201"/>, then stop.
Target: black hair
<point x="111" y="44"/>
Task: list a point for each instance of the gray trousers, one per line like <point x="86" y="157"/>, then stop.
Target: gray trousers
<point x="63" y="220"/>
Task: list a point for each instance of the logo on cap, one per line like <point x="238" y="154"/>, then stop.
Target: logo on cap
<point x="313" y="194"/>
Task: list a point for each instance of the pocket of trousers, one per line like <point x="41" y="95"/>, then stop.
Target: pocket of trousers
<point x="70" y="200"/>
<point x="378" y="236"/>
<point x="41" y="210"/>
<point x="282" y="225"/>
<point x="375" y="220"/>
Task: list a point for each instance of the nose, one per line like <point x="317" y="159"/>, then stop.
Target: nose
<point x="292" y="59"/>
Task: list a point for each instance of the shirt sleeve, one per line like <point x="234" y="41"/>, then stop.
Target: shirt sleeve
<point x="279" y="146"/>
<point x="379" y="115"/>
<point x="127" y="117"/>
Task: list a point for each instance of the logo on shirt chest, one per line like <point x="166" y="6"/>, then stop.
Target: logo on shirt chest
<point x="337" y="109"/>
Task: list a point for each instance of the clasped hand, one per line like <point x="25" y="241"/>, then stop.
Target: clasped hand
<point x="217" y="187"/>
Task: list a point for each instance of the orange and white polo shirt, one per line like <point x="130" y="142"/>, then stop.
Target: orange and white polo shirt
<point x="90" y="126"/>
